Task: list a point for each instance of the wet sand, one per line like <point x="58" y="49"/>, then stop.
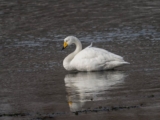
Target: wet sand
<point x="34" y="84"/>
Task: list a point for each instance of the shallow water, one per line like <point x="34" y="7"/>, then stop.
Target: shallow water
<point x="34" y="84"/>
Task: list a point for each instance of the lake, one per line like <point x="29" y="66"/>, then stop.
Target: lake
<point x="33" y="83"/>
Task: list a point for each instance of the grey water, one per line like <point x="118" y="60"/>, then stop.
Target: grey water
<point x="33" y="82"/>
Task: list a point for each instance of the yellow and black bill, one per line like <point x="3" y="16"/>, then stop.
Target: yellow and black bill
<point x="64" y="45"/>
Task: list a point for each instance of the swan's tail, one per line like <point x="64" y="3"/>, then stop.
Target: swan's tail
<point x="117" y="64"/>
<point x="125" y="62"/>
<point x="114" y="64"/>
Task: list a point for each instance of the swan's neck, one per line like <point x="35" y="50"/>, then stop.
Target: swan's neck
<point x="68" y="59"/>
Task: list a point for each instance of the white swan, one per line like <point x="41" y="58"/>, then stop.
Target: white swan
<point x="90" y="58"/>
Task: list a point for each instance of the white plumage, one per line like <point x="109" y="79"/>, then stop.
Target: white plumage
<point x="90" y="58"/>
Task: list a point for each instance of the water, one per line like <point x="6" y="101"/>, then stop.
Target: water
<point x="34" y="84"/>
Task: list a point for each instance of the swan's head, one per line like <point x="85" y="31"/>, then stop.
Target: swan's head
<point x="68" y="41"/>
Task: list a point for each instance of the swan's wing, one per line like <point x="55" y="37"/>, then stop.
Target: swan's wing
<point x="92" y="58"/>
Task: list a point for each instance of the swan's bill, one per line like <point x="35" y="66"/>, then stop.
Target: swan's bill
<point x="64" y="45"/>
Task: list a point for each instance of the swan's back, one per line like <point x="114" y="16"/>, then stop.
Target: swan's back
<point x="93" y="59"/>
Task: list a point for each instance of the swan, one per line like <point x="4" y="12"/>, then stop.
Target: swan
<point x="90" y="58"/>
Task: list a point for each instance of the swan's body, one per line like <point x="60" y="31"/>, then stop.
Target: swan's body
<point x="90" y="58"/>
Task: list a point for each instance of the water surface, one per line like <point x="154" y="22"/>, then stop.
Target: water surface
<point x="34" y="84"/>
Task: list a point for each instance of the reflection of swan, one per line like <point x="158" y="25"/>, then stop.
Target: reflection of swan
<point x="87" y="86"/>
<point x="90" y="58"/>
